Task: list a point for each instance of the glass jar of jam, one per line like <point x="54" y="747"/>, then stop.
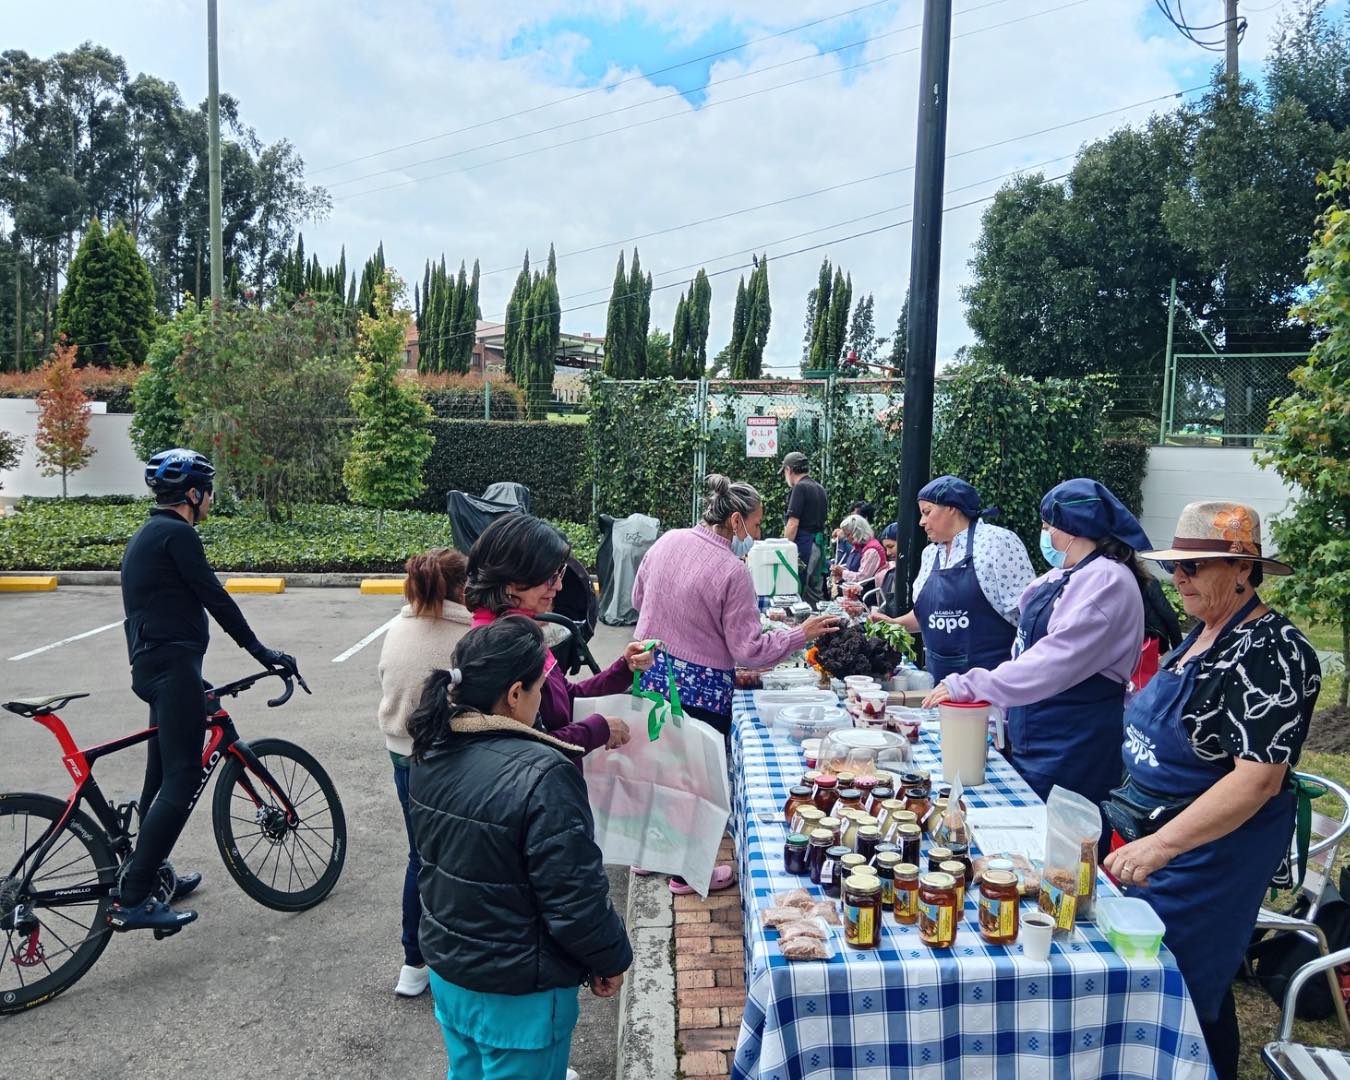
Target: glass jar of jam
<point x="936" y="857"/>
<point x="919" y="780"/>
<point x="885" y="864"/>
<point x="809" y="779"/>
<point x="957" y="870"/>
<point x="884" y="847"/>
<point x="829" y="871"/>
<point x="849" y="864"/>
<point x="866" y="784"/>
<point x="797" y="796"/>
<point x="869" y="836"/>
<point x="885" y="811"/>
<point x="862" y="911"/>
<point x="916" y="802"/>
<point x="850" y="798"/>
<point x="906" y="902"/>
<point x="834" y="824"/>
<point x="821" y="842"/>
<point x="961" y="853"/>
<point x="845" y="780"/>
<point x="826" y="793"/>
<point x="910" y="839"/>
<point x="938" y="917"/>
<point x="880" y="794"/>
<point x="848" y="835"/>
<point x="794" y="853"/>
<point x="806" y="819"/>
<point x="933" y="819"/>
<point x="999" y="915"/>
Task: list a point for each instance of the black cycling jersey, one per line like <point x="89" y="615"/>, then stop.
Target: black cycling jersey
<point x="168" y="587"/>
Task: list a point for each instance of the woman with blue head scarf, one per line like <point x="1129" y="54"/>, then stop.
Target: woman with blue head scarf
<point x="1078" y="641"/>
<point x="970" y="580"/>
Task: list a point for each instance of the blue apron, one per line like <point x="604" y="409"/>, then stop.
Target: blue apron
<point x="960" y="628"/>
<point x="1068" y="739"/>
<point x="1207" y="898"/>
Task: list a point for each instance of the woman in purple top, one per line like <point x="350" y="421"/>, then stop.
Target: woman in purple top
<point x="516" y="568"/>
<point x="1077" y="644"/>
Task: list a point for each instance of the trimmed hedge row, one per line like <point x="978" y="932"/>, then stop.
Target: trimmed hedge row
<point x="1124" y="463"/>
<point x="460" y="397"/>
<point x="549" y="459"/>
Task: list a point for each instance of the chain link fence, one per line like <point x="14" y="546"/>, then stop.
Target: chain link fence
<point x="1223" y="399"/>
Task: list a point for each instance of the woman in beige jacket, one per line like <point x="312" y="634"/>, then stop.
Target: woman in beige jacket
<point x="420" y="641"/>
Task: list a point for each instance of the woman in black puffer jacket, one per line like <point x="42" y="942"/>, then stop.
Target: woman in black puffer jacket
<point x="516" y="908"/>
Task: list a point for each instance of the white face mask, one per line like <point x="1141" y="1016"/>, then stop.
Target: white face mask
<point x="741" y="545"/>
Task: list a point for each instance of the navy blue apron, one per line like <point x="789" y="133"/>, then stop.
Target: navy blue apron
<point x="960" y="628"/>
<point x="1207" y="898"/>
<point x="1068" y="739"/>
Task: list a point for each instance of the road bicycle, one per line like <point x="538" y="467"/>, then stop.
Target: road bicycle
<point x="276" y="816"/>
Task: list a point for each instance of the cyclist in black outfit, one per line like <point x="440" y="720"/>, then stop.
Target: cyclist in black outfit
<point x="167" y="589"/>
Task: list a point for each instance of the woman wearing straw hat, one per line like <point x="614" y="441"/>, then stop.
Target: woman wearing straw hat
<point x="1204" y="818"/>
<point x="971" y="577"/>
<point x="1077" y="644"/>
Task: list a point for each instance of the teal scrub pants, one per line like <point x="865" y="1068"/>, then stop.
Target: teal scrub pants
<point x="505" y="1036"/>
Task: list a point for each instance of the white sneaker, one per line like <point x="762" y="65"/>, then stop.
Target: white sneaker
<point x="412" y="981"/>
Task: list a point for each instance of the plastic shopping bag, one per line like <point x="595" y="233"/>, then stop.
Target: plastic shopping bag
<point x="662" y="805"/>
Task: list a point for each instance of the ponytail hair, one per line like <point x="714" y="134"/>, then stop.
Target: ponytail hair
<point x="727" y="497"/>
<point x="434" y="577"/>
<point x="486" y="663"/>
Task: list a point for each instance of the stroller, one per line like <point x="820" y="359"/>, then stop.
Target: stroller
<point x="576" y="609"/>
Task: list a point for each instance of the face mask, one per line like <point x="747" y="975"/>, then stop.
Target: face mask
<point x="1052" y="555"/>
<point x="741" y="545"/>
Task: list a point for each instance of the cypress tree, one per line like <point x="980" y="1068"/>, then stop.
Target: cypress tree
<point x="700" y="317"/>
<point x="738" y="320"/>
<point x="107" y="308"/>
<point x="467" y="332"/>
<point x="758" y="314"/>
<point x="616" y="327"/>
<point x="818" y="356"/>
<point x="681" y="353"/>
<point x="841" y="297"/>
<point x="515" y="323"/>
<point x="639" y="317"/>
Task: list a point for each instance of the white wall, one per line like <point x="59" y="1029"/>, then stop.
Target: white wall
<point x="113" y="470"/>
<point x="1178" y="475"/>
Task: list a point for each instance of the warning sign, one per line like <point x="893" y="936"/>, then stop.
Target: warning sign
<point x="761" y="436"/>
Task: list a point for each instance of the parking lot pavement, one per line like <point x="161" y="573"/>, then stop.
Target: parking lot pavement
<point x="245" y="990"/>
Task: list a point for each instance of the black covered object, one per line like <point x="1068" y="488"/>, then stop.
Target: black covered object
<point x="577" y="603"/>
<point x="471" y="514"/>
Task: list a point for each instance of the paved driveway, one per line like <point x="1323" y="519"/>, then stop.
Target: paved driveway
<point x="245" y="991"/>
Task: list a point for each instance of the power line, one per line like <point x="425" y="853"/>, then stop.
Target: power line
<point x="685" y="112"/>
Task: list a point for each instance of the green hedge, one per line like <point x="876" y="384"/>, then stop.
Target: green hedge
<point x="51" y="534"/>
<point x="548" y="458"/>
<point x="462" y="398"/>
<point x="1124" y="464"/>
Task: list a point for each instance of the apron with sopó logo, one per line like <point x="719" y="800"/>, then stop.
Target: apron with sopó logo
<point x="960" y="628"/>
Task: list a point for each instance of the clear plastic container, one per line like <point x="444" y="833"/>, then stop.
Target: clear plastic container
<point x="1131" y="926"/>
<point x="798" y="723"/>
<point x="790" y="678"/>
<point x="863" y="750"/>
<point x="768" y="703"/>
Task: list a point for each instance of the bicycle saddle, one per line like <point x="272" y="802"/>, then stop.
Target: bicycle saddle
<point x="37" y="705"/>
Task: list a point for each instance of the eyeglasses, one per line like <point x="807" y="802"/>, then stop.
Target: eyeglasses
<point x="557" y="579"/>
<point x="1189" y="567"/>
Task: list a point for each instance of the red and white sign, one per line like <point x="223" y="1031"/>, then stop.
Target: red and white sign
<point x="761" y="436"/>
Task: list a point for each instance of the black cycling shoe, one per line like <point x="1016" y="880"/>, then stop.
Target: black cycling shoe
<point x="185" y="884"/>
<point x="149" y="914"/>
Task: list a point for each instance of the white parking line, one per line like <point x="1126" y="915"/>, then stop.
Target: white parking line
<point x="349" y="653"/>
<point x="66" y="641"/>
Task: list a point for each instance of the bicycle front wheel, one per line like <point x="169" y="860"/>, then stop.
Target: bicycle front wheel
<point x="282" y="865"/>
<point x="47" y="943"/>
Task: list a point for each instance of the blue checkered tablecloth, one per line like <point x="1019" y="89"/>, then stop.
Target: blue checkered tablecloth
<point x="904" y="1010"/>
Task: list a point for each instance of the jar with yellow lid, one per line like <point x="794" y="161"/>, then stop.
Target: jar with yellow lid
<point x="938" y="918"/>
<point x="862" y="911"/>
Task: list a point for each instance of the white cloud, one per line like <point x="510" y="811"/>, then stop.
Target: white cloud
<point x="345" y="80"/>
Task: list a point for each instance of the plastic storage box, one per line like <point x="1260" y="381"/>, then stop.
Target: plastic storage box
<point x="1131" y="926"/>
<point x="798" y="723"/>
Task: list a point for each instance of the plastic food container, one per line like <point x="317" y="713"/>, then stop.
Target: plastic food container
<point x="790" y="678"/>
<point x="1131" y="926"/>
<point x="768" y="703"/>
<point x="860" y="750"/>
<point x="798" y="723"/>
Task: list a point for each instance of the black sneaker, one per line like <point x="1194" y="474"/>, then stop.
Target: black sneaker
<point x="149" y="914"/>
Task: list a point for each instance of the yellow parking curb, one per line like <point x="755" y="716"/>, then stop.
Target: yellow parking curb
<point x="255" y="585"/>
<point x="43" y="583"/>
<point x="382" y="586"/>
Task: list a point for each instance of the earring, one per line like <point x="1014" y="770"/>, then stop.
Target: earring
<point x="1239" y="588"/>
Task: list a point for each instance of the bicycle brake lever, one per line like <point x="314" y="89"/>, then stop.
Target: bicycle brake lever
<point x="303" y="685"/>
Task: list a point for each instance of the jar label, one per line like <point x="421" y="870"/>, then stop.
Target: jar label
<point x="859" y="925"/>
<point x="998" y="916"/>
<point x="827" y="871"/>
<point x="887" y="892"/>
<point x="907" y="902"/>
<point x="1085" y="878"/>
<point x="937" y="919"/>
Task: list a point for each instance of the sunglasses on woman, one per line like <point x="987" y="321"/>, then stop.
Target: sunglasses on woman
<point x="1189" y="567"/>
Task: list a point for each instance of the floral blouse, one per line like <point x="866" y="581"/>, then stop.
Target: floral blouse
<point x="1254" y="693"/>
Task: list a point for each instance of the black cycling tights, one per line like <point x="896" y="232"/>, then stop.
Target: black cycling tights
<point x="169" y="680"/>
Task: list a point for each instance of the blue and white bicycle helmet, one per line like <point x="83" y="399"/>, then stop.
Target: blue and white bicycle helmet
<point x="175" y="472"/>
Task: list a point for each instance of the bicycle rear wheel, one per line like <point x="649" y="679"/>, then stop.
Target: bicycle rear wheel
<point x="282" y="866"/>
<point x="50" y="946"/>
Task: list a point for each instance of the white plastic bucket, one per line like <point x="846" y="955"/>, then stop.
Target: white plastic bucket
<point x="773" y="567"/>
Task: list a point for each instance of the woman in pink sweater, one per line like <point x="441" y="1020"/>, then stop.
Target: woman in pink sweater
<point x="694" y="594"/>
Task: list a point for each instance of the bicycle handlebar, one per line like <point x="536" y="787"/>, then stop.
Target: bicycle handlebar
<point x="234" y="689"/>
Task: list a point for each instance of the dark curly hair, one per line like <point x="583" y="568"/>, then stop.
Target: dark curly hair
<point x="516" y="549"/>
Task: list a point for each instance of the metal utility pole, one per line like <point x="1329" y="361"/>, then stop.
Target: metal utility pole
<point x="1230" y="38"/>
<point x="213" y="157"/>
<point x="925" y="262"/>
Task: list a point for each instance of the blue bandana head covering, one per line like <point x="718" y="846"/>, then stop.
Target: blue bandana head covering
<point x="1086" y="508"/>
<point x="955" y="492"/>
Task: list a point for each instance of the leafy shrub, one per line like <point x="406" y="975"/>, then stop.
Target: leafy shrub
<point x="101" y="384"/>
<point x="1124" y="464"/>
<point x="460" y="397"/>
<point x="158" y="421"/>
<point x="585" y="543"/>
<point x="548" y="458"/>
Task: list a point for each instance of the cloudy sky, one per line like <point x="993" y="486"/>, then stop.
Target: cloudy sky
<point x="485" y="127"/>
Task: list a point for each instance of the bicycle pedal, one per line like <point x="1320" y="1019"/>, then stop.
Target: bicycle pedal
<point x="160" y="935"/>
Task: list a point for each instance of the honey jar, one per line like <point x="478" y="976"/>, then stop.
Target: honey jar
<point x="862" y="911"/>
<point x="999" y="913"/>
<point x="938" y="917"/>
<point x="906" y="902"/>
